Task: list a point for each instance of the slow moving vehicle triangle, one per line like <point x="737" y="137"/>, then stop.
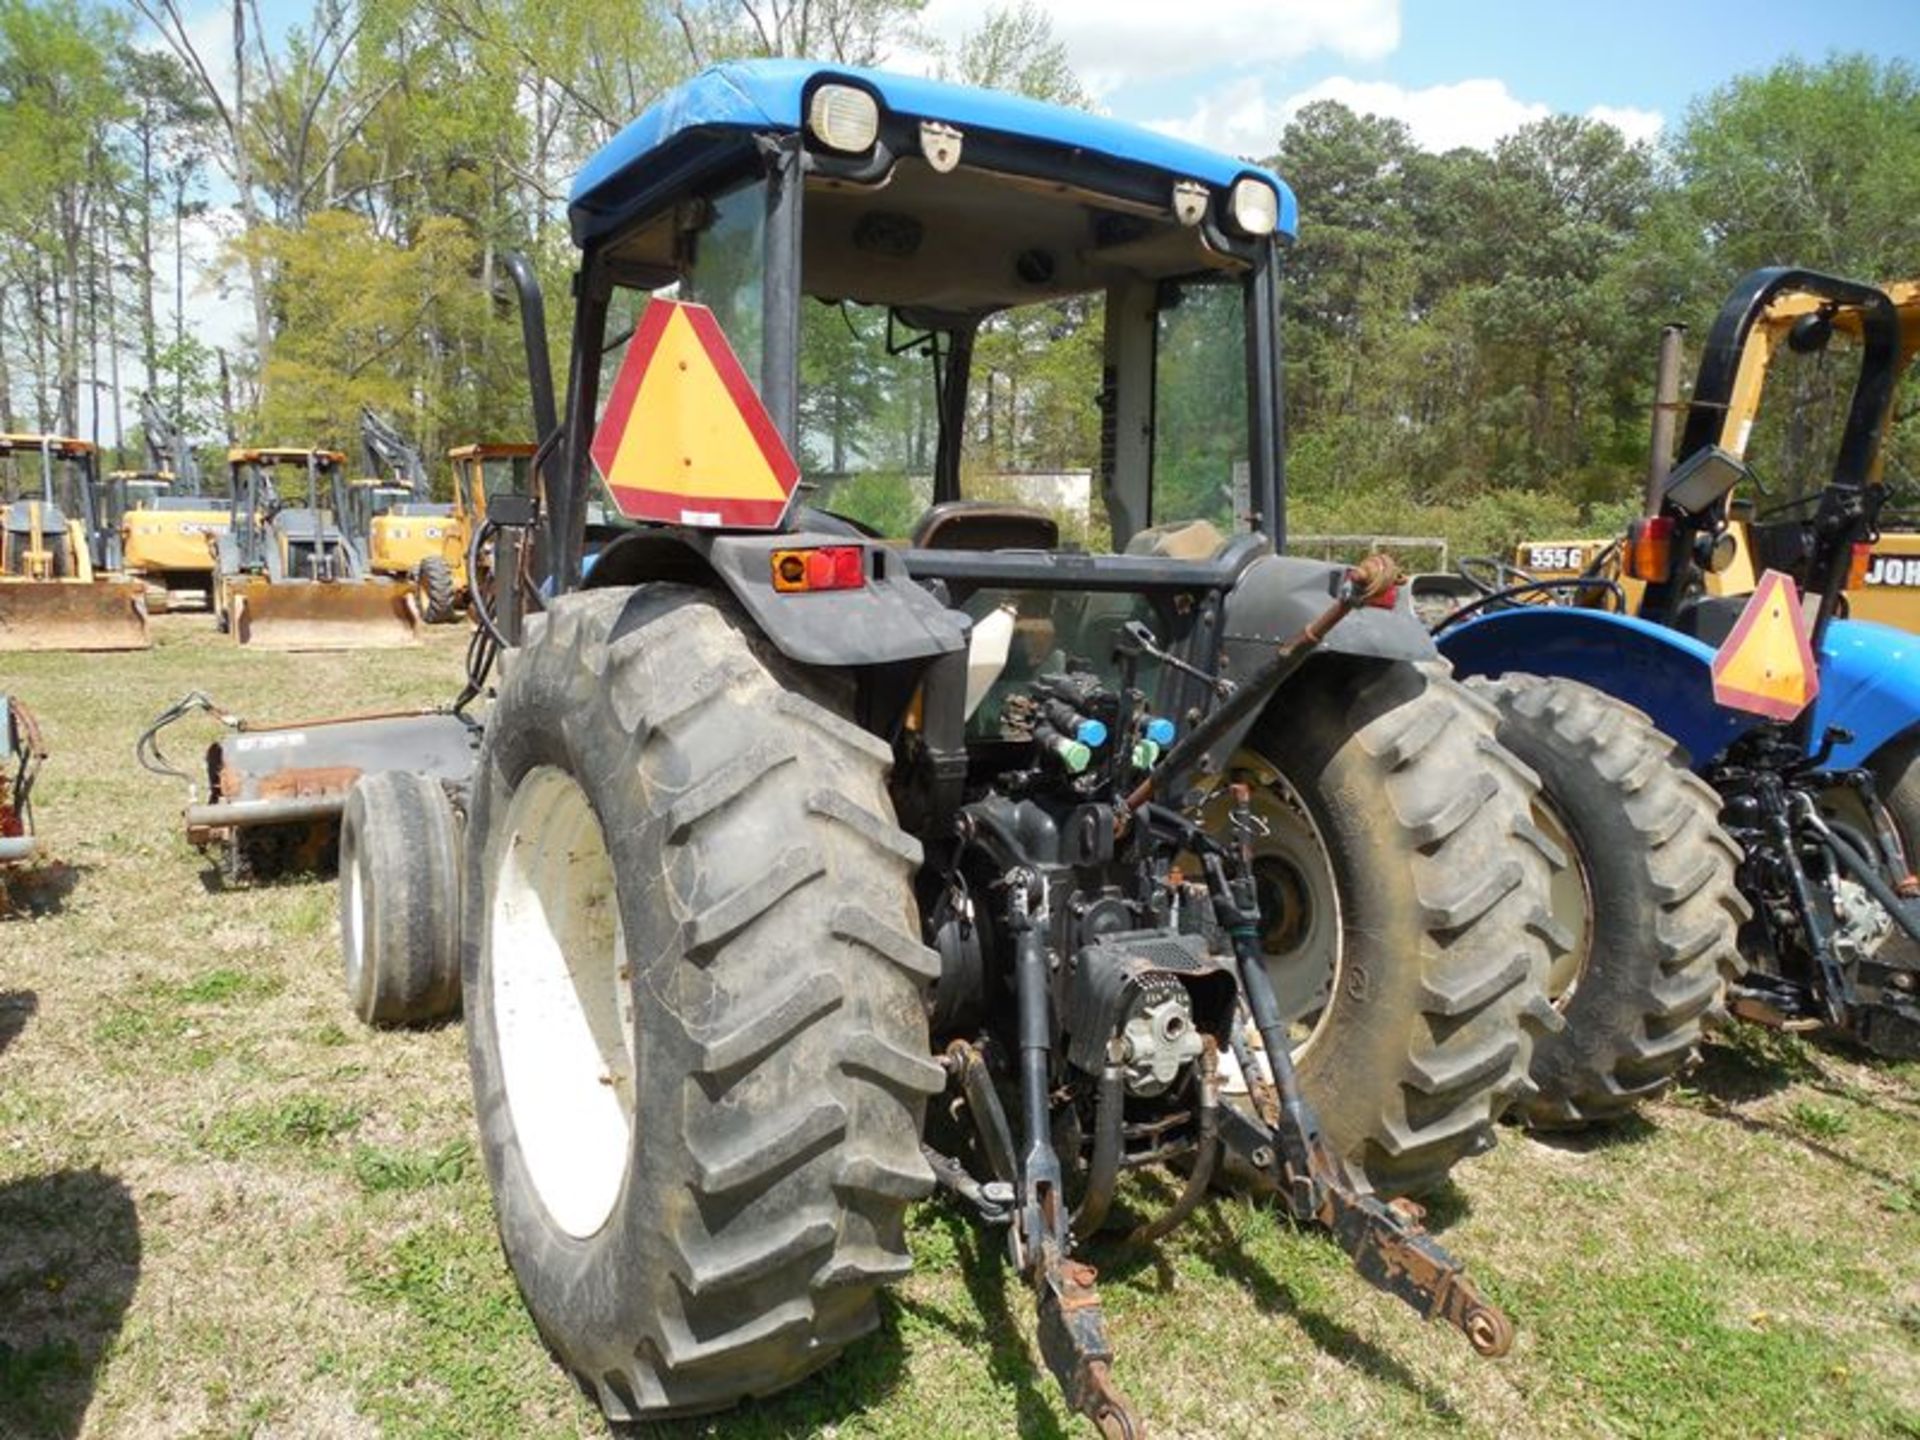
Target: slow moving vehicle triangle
<point x="1766" y="665"/>
<point x="684" y="439"/>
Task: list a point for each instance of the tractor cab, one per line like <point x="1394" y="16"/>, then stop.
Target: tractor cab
<point x="289" y="507"/>
<point x="136" y="490"/>
<point x="953" y="304"/>
<point x="1026" y="360"/>
<point x="369" y="499"/>
<point x="50" y="501"/>
<point x="482" y="471"/>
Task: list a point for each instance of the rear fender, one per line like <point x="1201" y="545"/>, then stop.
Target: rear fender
<point x="1277" y="596"/>
<point x="1666" y="674"/>
<point x="889" y="619"/>
<point x="1869" y="685"/>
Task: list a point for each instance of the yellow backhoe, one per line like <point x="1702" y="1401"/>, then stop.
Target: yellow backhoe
<point x="167" y="527"/>
<point x="291" y="575"/>
<point x="58" y="556"/>
<point x="406" y="533"/>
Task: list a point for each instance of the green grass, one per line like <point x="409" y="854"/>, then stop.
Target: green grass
<point x="227" y="1208"/>
<point x="300" y="1122"/>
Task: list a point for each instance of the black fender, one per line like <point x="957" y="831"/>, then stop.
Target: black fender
<point x="1277" y="596"/>
<point x="887" y="620"/>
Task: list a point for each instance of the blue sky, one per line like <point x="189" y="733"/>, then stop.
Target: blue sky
<point x="1460" y="71"/>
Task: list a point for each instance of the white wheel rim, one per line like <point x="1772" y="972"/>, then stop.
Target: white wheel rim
<point x="1290" y="858"/>
<point x="356" y="931"/>
<point x="1570" y="898"/>
<point x="562" y="1002"/>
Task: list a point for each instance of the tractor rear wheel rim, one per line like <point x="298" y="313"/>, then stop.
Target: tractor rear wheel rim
<point x="1570" y="896"/>
<point x="562" y="1002"/>
<point x="1300" y="917"/>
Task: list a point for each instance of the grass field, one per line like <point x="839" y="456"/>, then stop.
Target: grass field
<point x="227" y="1210"/>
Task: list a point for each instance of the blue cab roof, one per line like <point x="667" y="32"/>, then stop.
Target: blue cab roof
<point x="756" y="96"/>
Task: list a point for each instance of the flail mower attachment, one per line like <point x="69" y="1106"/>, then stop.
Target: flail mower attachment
<point x="73" y="615"/>
<point x="274" y="794"/>
<point x="1282" y="1139"/>
<point x="323" y="614"/>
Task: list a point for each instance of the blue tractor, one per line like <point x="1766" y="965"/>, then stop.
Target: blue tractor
<point x="1811" y="761"/>
<point x="846" y="781"/>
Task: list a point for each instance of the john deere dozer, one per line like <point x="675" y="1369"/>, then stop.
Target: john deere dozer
<point x="292" y="576"/>
<point x="781" y="830"/>
<point x="57" y="589"/>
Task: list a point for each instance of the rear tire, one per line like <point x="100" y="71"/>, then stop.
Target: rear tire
<point x="1419" y="972"/>
<point x="400" y="900"/>
<point x="433" y="590"/>
<point x="1655" y="909"/>
<point x="1896" y="774"/>
<point x="685" y="856"/>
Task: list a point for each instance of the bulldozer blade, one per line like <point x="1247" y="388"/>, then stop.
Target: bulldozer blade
<point x="325" y="615"/>
<point x="73" y="615"/>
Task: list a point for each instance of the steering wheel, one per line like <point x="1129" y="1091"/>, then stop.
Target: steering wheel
<point x="1490" y="575"/>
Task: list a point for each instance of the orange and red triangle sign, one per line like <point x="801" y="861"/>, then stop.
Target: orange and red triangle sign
<point x="1766" y="666"/>
<point x="684" y="439"/>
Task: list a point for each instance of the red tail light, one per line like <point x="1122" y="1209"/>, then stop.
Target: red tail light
<point x="831" y="567"/>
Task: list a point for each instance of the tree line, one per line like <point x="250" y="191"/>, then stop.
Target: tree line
<point x="1470" y="334"/>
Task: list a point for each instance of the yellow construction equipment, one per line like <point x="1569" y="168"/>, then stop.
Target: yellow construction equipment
<point x="1885" y="586"/>
<point x="292" y="576"/>
<point x="57" y="586"/>
<point x="406" y="535"/>
<point x="166" y="538"/>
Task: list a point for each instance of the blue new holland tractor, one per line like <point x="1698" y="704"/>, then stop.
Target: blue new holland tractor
<point x="822" y="850"/>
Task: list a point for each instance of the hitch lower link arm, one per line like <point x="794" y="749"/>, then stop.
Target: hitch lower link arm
<point x="1388" y="1247"/>
<point x="1073" y="1335"/>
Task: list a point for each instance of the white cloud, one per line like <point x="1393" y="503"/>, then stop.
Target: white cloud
<point x="1241" y="117"/>
<point x="1117" y="42"/>
<point x="1630" y="120"/>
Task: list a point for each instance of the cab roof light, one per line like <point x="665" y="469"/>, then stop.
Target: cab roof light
<point x="1254" y="207"/>
<point x="844" y="118"/>
<point x="830" y="567"/>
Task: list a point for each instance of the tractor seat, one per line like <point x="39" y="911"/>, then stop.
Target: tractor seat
<point x="985" y="525"/>
<point x="1179" y="540"/>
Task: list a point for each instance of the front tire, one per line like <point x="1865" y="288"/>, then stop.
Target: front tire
<point x="696" y="1003"/>
<point x="1404" y="901"/>
<point x="1652" y="898"/>
<point x="433" y="590"/>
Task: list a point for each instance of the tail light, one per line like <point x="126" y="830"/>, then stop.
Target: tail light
<point x="1650" y="549"/>
<point x="831" y="567"/>
<point x="1858" y="563"/>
